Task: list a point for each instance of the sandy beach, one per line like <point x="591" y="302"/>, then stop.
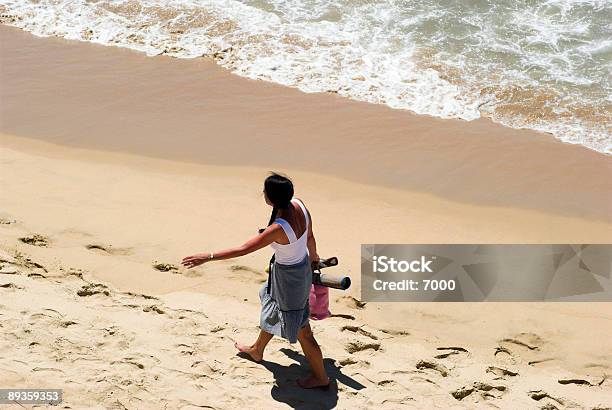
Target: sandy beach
<point x="85" y="306"/>
<point x="114" y="166"/>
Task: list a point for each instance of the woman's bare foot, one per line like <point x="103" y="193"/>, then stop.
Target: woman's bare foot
<point x="313" y="383"/>
<point x="251" y="351"/>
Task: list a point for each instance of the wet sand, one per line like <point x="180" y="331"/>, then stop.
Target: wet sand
<point x="113" y="99"/>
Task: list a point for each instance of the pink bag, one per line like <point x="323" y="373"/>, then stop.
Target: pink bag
<point x="319" y="302"/>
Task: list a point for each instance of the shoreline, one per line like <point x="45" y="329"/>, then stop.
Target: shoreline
<point x="360" y="84"/>
<point x="113" y="99"/>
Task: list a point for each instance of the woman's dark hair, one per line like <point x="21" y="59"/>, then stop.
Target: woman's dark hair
<point x="279" y="190"/>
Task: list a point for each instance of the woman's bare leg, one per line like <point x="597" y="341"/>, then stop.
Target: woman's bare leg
<point x="312" y="351"/>
<point x="256" y="350"/>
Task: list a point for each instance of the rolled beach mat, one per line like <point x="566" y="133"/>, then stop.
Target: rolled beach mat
<point x="331" y="281"/>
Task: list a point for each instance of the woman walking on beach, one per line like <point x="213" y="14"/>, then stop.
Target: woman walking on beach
<point x="284" y="297"/>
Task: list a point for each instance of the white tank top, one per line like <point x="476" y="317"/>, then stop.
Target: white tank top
<point x="297" y="248"/>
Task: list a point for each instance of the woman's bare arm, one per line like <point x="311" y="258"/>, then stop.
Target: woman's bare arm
<point x="269" y="235"/>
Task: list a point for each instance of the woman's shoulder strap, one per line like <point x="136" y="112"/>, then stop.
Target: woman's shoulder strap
<point x="287" y="228"/>
<point x="304" y="211"/>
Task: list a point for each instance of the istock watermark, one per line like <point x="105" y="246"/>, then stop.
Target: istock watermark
<point x="386" y="264"/>
<point x="485" y="272"/>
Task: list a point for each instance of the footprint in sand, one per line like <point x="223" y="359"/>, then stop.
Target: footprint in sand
<point x="129" y="362"/>
<point x="44" y="316"/>
<point x="583" y="382"/>
<point x="360" y="330"/>
<point x="486" y="391"/>
<point x="503" y="351"/>
<point x="139" y="295"/>
<point x="529" y="341"/>
<point x="394" y="332"/>
<point x="440" y="368"/>
<point x="501" y="372"/>
<point x="359" y="346"/>
<point x="6" y="257"/>
<point x="12" y="265"/>
<point x="108" y="249"/>
<point x="52" y="319"/>
<point x="68" y="323"/>
<point x="523" y="347"/>
<point x="165" y="267"/>
<point x="153" y="308"/>
<point x="505" y="357"/>
<point x="93" y="289"/>
<point x="351" y="302"/>
<point x="137" y="360"/>
<point x="26" y="262"/>
<point x="450" y="351"/>
<point x="184" y="349"/>
<point x="36" y="240"/>
<point x="113" y="338"/>
<point x="72" y="272"/>
<point x="539" y="395"/>
<point x="255" y="275"/>
<point x="8" y="268"/>
<point x="349" y="361"/>
<point x="47" y="369"/>
<point x="10" y="286"/>
<point x="238" y="268"/>
<point x="342" y="316"/>
<point x="540" y="361"/>
<point x="211" y="369"/>
<point x="412" y="376"/>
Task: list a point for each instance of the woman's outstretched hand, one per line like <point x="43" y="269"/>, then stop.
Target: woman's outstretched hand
<point x="195" y="260"/>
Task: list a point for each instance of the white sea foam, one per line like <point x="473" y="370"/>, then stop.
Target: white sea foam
<point x="545" y="66"/>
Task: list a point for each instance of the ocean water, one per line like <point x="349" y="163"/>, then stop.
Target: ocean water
<point x="543" y="65"/>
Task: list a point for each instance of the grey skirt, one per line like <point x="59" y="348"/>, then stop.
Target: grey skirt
<point x="284" y="311"/>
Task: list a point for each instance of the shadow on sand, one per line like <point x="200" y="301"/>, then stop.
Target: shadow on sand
<point x="287" y="391"/>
